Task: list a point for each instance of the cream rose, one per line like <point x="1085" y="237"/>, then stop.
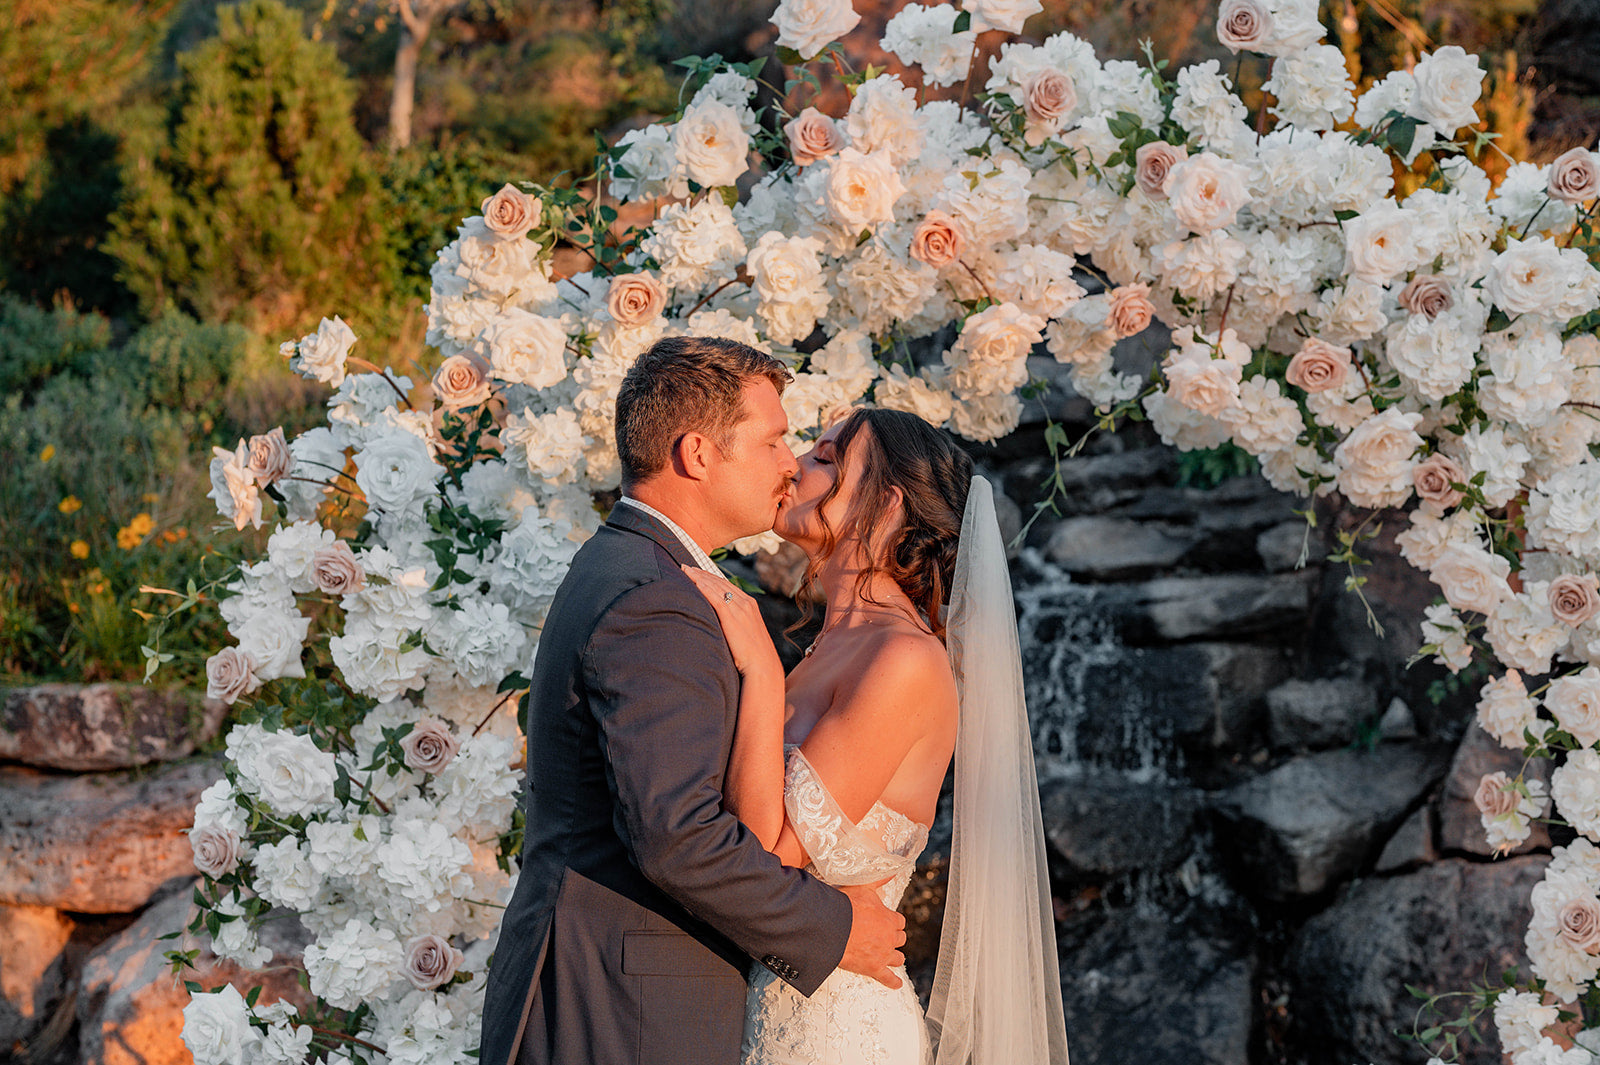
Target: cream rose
<point x="1433" y="477"/>
<point x="1244" y="25"/>
<point x="1375" y="460"/>
<point x="812" y="136"/>
<point x="321" y="355"/>
<point x="862" y="189"/>
<point x="635" y="299"/>
<point x="1575" y="703"/>
<point x="230" y="673"/>
<point x="1493" y="797"/>
<point x="1207" y="191"/>
<point x="1574" y="176"/>
<point x="1449" y="83"/>
<point x="1153" y="162"/>
<point x="1428" y="295"/>
<point x="429" y="746"/>
<point x="511" y="212"/>
<point x="938" y="240"/>
<point x="431" y="962"/>
<point x="1130" y="310"/>
<point x="1048" y="96"/>
<point x="1318" y="366"/>
<point x="216" y="849"/>
<point x="1471" y="578"/>
<point x="269" y="460"/>
<point x="809" y="26"/>
<point x="1579" y="923"/>
<point x="216" y="1027"/>
<point x="711" y="143"/>
<point x="1007" y="15"/>
<point x="1201" y="383"/>
<point x="462" y="381"/>
<point x="1574" y="599"/>
<point x="335" y="570"/>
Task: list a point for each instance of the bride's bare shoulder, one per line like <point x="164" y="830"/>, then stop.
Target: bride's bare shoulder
<point x="912" y="664"/>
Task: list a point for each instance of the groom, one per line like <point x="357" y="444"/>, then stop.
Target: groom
<point x="641" y="900"/>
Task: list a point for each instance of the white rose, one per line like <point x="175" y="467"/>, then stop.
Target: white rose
<point x="273" y="640"/>
<point x="1206" y="191"/>
<point x="1381" y="243"/>
<point x="216" y="1027"/>
<point x="1007" y="15"/>
<point x="395" y="470"/>
<point x="862" y="189"/>
<point x="711" y="144"/>
<point x="1376" y="459"/>
<point x="809" y="26"/>
<point x="1575" y="703"/>
<point x="1471" y="578"/>
<point x="1537" y="277"/>
<point x="525" y="348"/>
<point x="293" y="774"/>
<point x="321" y="356"/>
<point x="1449" y="83"/>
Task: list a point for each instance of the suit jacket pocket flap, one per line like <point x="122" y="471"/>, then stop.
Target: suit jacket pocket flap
<point x="670" y="954"/>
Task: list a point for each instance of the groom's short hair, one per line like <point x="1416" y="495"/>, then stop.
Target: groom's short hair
<point x="682" y="385"/>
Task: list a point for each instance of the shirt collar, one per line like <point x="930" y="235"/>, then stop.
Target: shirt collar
<point x="701" y="559"/>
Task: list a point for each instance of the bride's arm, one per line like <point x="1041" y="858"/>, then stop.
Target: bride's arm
<point x="752" y="790"/>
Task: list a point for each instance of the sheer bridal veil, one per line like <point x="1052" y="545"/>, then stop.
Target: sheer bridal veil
<point x="996" y="992"/>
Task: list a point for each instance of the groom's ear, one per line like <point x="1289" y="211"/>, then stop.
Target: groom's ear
<point x="691" y="456"/>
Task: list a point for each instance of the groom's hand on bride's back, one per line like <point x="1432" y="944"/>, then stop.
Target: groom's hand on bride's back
<point x="876" y="935"/>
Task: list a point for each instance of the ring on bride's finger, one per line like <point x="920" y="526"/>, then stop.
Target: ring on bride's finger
<point x="727" y="597"/>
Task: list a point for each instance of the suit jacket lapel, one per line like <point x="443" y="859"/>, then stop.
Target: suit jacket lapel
<point x="634" y="520"/>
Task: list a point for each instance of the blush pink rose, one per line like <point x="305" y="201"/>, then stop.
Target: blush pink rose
<point x="1433" y="478"/>
<point x="1151" y="164"/>
<point x="635" y="299"/>
<point x="431" y="962"/>
<point x="1047" y="97"/>
<point x="1574" y="176"/>
<point x="812" y="136"/>
<point x="1243" y="25"/>
<point x="1318" y="366"/>
<point x="1428" y="295"/>
<point x="462" y="381"/>
<point x="269" y="459"/>
<point x="511" y="212"/>
<point x="1579" y="924"/>
<point x="429" y="746"/>
<point x="230" y="673"/>
<point x="216" y="849"/>
<point x="1131" y="309"/>
<point x="335" y="570"/>
<point x="1575" y="599"/>
<point x="1493" y="797"/>
<point x="938" y="240"/>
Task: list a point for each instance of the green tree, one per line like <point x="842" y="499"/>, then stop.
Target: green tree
<point x="257" y="201"/>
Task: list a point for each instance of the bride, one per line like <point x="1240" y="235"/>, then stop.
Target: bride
<point x="838" y="767"/>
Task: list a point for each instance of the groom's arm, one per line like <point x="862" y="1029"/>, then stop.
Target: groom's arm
<point x="661" y="684"/>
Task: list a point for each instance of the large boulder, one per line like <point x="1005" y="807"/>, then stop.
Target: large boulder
<point x="33" y="942"/>
<point x="1460" y="825"/>
<point x="102" y="843"/>
<point x="130" y="1006"/>
<point x="1102" y="548"/>
<point x="103" y="726"/>
<point x="1225" y="606"/>
<point x="1318" y="714"/>
<point x="1102" y="823"/>
<point x="1300" y="829"/>
<point x="1170" y="988"/>
<point x="1440" y="928"/>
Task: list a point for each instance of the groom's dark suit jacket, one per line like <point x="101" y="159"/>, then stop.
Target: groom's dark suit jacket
<point x="641" y="900"/>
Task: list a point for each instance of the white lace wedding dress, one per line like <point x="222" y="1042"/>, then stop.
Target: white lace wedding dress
<point x="850" y="1019"/>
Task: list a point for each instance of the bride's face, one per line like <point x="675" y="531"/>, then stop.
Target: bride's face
<point x="820" y="468"/>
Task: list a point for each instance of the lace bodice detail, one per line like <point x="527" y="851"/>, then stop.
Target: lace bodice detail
<point x="885" y="843"/>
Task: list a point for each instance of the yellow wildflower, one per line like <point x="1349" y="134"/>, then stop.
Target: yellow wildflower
<point x="70" y="505"/>
<point x="132" y="534"/>
<point x="151" y="497"/>
<point x="79" y="549"/>
<point x="48" y="453"/>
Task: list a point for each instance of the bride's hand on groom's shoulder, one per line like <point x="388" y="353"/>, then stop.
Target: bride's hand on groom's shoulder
<point x="742" y="624"/>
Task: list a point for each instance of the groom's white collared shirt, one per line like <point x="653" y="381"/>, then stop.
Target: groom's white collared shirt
<point x="701" y="559"/>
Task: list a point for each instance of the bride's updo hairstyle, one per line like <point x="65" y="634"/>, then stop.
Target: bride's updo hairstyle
<point x="933" y="474"/>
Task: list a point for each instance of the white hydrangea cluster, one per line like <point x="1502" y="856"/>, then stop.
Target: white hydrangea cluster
<point x="1433" y="351"/>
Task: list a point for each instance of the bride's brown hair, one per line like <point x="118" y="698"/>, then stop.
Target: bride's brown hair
<point x="933" y="476"/>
